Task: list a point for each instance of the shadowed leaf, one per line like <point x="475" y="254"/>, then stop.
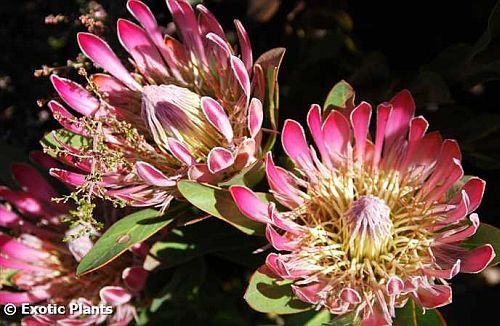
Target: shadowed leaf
<point x="412" y="315"/>
<point x="264" y="294"/>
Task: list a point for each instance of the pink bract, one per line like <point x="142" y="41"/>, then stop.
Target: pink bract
<point x="369" y="221"/>
<point x="38" y="267"/>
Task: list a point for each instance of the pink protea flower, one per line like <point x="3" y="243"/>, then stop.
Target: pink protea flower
<point x="38" y="267"/>
<point x="369" y="222"/>
<point x="190" y="109"/>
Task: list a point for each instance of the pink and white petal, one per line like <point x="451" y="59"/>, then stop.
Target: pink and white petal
<point x="15" y="249"/>
<point x="10" y="263"/>
<point x="295" y="145"/>
<point x="425" y="155"/>
<point x="77" y="97"/>
<point x="314" y="123"/>
<point x="375" y="318"/>
<point x="453" y="173"/>
<point x="201" y="173"/>
<point x="437" y="296"/>
<point x="215" y="114"/>
<point x="135" y="278"/>
<point x="283" y="222"/>
<point x="72" y="178"/>
<point x="240" y="73"/>
<point x="394" y="285"/>
<point x="101" y="54"/>
<point x="273" y="264"/>
<point x="246" y="154"/>
<point x="383" y="115"/>
<point x="360" y="120"/>
<point x="308" y="293"/>
<point x="457" y="236"/>
<point x="8" y="219"/>
<point x="444" y="273"/>
<point x="177" y="56"/>
<point x="30" y="180"/>
<point x="219" y="159"/>
<point x="245" y="46"/>
<point x="403" y="110"/>
<point x="418" y="127"/>
<point x="282" y="183"/>
<point x="279" y="242"/>
<point x="145" y="17"/>
<point x="114" y="295"/>
<point x="24" y="202"/>
<point x="66" y="119"/>
<point x="477" y="259"/>
<point x="79" y="245"/>
<point x="336" y="134"/>
<point x="475" y="191"/>
<point x="138" y="44"/>
<point x="449" y="153"/>
<point x="461" y="208"/>
<point x="208" y="23"/>
<point x="255" y="117"/>
<point x="187" y="25"/>
<point x="180" y="152"/>
<point x="123" y="101"/>
<point x="350" y="296"/>
<point x="249" y="204"/>
<point x="152" y="175"/>
<point x="222" y="47"/>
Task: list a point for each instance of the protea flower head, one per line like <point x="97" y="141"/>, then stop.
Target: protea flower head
<point x="190" y="108"/>
<point x="369" y="222"/>
<point x="38" y="267"/>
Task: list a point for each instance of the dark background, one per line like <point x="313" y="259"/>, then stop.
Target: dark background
<point x="446" y="52"/>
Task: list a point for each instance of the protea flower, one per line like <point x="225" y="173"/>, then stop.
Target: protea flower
<point x="38" y="267"/>
<point x="190" y="108"/>
<point x="369" y="222"/>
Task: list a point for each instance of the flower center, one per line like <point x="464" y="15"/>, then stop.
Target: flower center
<point x="369" y="227"/>
<point x="172" y="111"/>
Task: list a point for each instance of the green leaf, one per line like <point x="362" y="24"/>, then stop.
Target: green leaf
<point x="51" y="145"/>
<point x="265" y="294"/>
<point x="249" y="176"/>
<point x="486" y="234"/>
<point x="125" y="233"/>
<point x="183" y="281"/>
<point x="309" y="318"/>
<point x="347" y="319"/>
<point x="340" y="96"/>
<point x="219" y="203"/>
<point x="412" y="315"/>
